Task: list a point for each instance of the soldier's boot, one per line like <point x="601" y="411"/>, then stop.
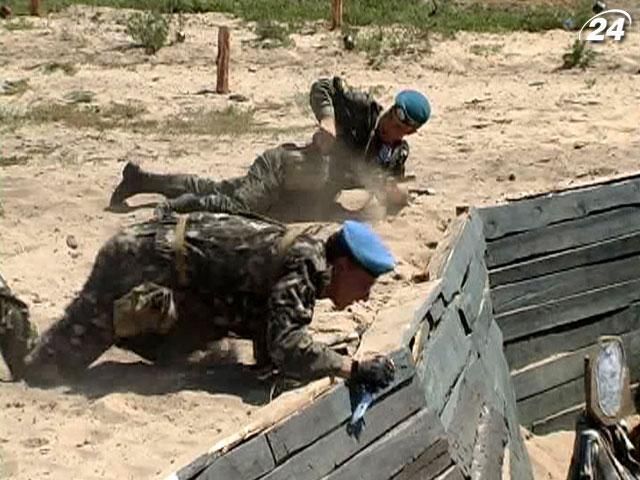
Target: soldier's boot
<point x="135" y="181"/>
<point x="130" y="185"/>
<point x="18" y="337"/>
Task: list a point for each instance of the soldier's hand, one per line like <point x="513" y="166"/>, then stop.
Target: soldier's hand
<point x="375" y="373"/>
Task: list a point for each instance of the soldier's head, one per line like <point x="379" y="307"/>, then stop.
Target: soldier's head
<point x="357" y="257"/>
<point x="410" y="111"/>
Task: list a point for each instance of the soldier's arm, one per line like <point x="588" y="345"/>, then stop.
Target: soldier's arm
<point x="291" y="347"/>
<point x="327" y="92"/>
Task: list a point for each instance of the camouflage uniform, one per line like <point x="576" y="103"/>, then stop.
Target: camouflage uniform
<point x="288" y="174"/>
<point x="233" y="278"/>
<point x="14" y="325"/>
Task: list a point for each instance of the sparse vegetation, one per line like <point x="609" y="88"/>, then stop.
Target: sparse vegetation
<point x="230" y="121"/>
<point x="148" y="29"/>
<point x="485" y="50"/>
<point x="382" y="43"/>
<point x="19" y="23"/>
<point x="448" y="18"/>
<point x="271" y="34"/>
<point x="14" y="87"/>
<point x="67" y="67"/>
<point x="579" y="55"/>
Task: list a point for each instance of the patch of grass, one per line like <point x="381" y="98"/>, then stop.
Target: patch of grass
<point x="579" y="55"/>
<point x="12" y="160"/>
<point x="449" y="18"/>
<point x="14" y="87"/>
<point x="272" y="34"/>
<point x="19" y="23"/>
<point x="67" y="68"/>
<point x="383" y="43"/>
<point x="485" y="50"/>
<point x="149" y="29"/>
<point x="230" y="121"/>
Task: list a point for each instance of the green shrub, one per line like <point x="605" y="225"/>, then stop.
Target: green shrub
<point x="149" y="29"/>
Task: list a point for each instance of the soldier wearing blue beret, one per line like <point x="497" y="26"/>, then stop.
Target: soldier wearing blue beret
<point x="166" y="288"/>
<point x="358" y="144"/>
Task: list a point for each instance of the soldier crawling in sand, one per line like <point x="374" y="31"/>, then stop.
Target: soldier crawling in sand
<point x="165" y="288"/>
<point x="357" y="144"/>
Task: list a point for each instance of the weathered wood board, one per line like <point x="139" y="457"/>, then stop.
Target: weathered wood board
<point x="249" y="461"/>
<point x="491" y="439"/>
<point x="429" y="464"/>
<point x="560" y="285"/>
<point x="560" y="236"/>
<point x="387" y="456"/>
<point x="321" y="457"/>
<point x="563" y="369"/>
<point x="538" y="318"/>
<point x="444" y="359"/>
<point x="331" y="410"/>
<point x="455" y="253"/>
<point x="567" y="259"/>
<point x="551" y="402"/>
<point x="531" y="350"/>
<point x="544" y="210"/>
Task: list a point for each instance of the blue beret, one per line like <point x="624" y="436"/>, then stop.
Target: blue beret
<point x="415" y="105"/>
<point x="367" y="248"/>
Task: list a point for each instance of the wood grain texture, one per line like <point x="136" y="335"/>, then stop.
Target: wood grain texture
<point x="249" y="461"/>
<point x="322" y="457"/>
<point x="564" y="284"/>
<point x="574" y="257"/>
<point x="561" y="236"/>
<point x="397" y="448"/>
<point x="535" y="319"/>
<point x="429" y="464"/>
<point x="548" y="209"/>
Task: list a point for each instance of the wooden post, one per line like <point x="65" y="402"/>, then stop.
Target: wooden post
<point x="34" y="7"/>
<point x="336" y="14"/>
<point x="222" y="61"/>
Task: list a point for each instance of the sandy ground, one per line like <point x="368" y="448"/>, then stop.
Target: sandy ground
<point x="505" y="121"/>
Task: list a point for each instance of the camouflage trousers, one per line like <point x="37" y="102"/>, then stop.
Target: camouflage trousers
<point x="283" y="175"/>
<point x="127" y="272"/>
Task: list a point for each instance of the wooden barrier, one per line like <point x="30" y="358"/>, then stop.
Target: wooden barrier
<point x="449" y="414"/>
<point x="564" y="268"/>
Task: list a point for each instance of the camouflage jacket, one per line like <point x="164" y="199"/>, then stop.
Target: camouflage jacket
<point x="235" y="264"/>
<point x="356" y="115"/>
<point x="17" y="334"/>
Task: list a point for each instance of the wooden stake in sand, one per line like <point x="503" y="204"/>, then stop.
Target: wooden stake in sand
<point x="336" y="14"/>
<point x="34" y="7"/>
<point x="222" y="61"/>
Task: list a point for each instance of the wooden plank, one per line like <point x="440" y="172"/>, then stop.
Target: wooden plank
<point x="473" y="289"/>
<point x="538" y="318"/>
<point x="444" y="358"/>
<point x="491" y="439"/>
<point x="461" y="415"/>
<point x="564" y="284"/>
<point x="435" y="313"/>
<point x="387" y="456"/>
<point x="249" y="461"/>
<point x="567" y="259"/>
<point x="482" y="322"/>
<point x="545" y="210"/>
<point x="551" y="402"/>
<point x="563" y="369"/>
<point x="328" y="412"/>
<point x="429" y="464"/>
<point x="321" y="457"/>
<point x="565" y="420"/>
<point x="452" y="473"/>
<point x="454" y="254"/>
<point x="222" y="61"/>
<point x="522" y="353"/>
<point x="558" y="237"/>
